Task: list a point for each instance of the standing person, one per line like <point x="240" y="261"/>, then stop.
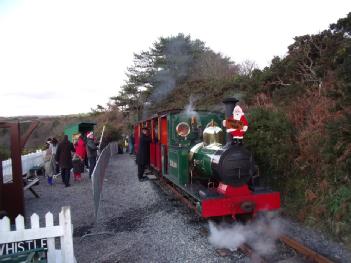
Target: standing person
<point x="78" y="162"/>
<point x="86" y="162"/>
<point x="54" y="144"/>
<point x="91" y="152"/>
<point x="48" y="161"/>
<point x="126" y="142"/>
<point x="64" y="158"/>
<point x="143" y="155"/>
<point x="120" y="146"/>
<point x="131" y="144"/>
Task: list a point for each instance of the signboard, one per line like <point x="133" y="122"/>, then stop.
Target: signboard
<point x="22" y="246"/>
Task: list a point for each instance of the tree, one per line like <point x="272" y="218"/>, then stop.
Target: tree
<point x="99" y="109"/>
<point x="247" y="67"/>
<point x="172" y="63"/>
<point x="343" y="26"/>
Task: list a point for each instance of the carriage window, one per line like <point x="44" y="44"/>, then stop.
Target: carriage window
<point x="183" y="129"/>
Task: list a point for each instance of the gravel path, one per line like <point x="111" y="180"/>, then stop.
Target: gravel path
<point x="140" y="222"/>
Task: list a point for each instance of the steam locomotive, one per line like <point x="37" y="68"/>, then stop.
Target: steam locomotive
<point x="189" y="151"/>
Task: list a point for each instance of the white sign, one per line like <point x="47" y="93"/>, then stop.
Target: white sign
<point x="173" y="164"/>
<point x="16" y="247"/>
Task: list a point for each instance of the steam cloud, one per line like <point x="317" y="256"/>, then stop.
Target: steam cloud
<point x="178" y="53"/>
<point x="166" y="79"/>
<point x="166" y="83"/>
<point x="260" y="235"/>
<point x="189" y="110"/>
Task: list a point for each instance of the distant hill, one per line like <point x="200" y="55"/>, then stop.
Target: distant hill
<point x="53" y="126"/>
<point x="49" y="126"/>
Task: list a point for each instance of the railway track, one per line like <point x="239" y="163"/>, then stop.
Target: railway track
<point x="308" y="254"/>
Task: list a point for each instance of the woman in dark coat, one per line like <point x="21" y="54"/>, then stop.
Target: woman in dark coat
<point x="143" y="156"/>
<point x="64" y="158"/>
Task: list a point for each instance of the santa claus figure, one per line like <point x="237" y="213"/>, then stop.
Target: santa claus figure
<point x="236" y="124"/>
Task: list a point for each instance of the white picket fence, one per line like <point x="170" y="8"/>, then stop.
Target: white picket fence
<point x="28" y="161"/>
<point x="50" y="232"/>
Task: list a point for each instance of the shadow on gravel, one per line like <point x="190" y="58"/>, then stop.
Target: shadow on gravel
<point x="82" y="230"/>
<point x="173" y="205"/>
<point x="132" y="219"/>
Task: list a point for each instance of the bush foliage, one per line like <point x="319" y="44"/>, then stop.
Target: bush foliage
<point x="271" y="139"/>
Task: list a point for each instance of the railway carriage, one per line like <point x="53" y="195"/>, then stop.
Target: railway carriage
<point x="191" y="153"/>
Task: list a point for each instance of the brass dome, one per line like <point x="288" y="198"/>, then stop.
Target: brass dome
<point x="213" y="134"/>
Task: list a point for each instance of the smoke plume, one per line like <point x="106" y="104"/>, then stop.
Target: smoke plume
<point x="175" y="70"/>
<point x="260" y="235"/>
<point x="179" y="59"/>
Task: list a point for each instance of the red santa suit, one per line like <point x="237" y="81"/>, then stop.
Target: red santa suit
<point x="238" y="115"/>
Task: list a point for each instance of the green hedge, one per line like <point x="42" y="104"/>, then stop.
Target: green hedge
<point x="270" y="138"/>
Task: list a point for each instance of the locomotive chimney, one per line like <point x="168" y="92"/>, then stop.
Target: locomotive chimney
<point x="229" y="104"/>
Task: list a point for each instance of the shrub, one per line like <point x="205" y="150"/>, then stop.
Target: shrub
<point x="337" y="148"/>
<point x="270" y="137"/>
<point x="111" y="134"/>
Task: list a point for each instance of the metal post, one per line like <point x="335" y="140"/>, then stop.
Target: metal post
<point x="101" y="138"/>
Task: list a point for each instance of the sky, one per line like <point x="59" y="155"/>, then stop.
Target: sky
<point x="66" y="56"/>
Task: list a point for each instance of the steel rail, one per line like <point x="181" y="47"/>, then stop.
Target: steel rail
<point x="310" y="254"/>
<point x="179" y="195"/>
<point x="255" y="258"/>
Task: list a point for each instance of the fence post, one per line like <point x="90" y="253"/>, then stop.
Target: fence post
<point x="66" y="239"/>
<point x="5" y="225"/>
<point x="19" y="223"/>
<point x="49" y="222"/>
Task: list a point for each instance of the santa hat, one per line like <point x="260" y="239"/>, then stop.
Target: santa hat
<point x="90" y="135"/>
<point x="237" y="113"/>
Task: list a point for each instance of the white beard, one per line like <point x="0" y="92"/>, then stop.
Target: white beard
<point x="237" y="116"/>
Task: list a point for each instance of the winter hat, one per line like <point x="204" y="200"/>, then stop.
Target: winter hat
<point x="90" y="135"/>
